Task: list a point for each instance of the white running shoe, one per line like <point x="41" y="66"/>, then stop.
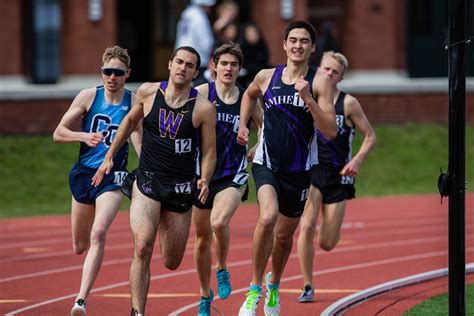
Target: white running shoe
<point x="249" y="307"/>
<point x="79" y="308"/>
<point x="272" y="297"/>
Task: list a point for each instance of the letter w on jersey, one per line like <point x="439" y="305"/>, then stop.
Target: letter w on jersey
<point x="169" y="124"/>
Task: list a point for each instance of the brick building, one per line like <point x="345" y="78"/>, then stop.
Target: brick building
<point x="52" y="49"/>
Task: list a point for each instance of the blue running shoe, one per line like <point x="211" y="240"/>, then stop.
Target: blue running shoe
<point x="223" y="283"/>
<point x="205" y="305"/>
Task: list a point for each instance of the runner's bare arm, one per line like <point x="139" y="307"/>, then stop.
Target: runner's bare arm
<point x="204" y="116"/>
<point x="137" y="136"/>
<point x="128" y="125"/>
<point x="249" y="101"/>
<point x="322" y="110"/>
<point x="79" y="106"/>
<point x="356" y="115"/>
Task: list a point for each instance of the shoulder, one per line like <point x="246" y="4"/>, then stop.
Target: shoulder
<point x="87" y="93"/>
<point x="350" y="101"/>
<point x="264" y="76"/>
<point x="203" y="89"/>
<point x="86" y="96"/>
<point x="265" y="73"/>
<point x="351" y="105"/>
<point x="203" y="111"/>
<point x="147" y="88"/>
<point x="202" y="101"/>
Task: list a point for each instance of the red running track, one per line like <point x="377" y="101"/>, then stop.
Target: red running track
<point x="383" y="239"/>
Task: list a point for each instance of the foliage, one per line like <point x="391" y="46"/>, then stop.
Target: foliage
<point x="405" y="160"/>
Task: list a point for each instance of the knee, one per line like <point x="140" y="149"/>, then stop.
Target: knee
<point x="267" y="223"/>
<point x="80" y="246"/>
<point x="98" y="237"/>
<point x="203" y="243"/>
<point x="171" y="263"/>
<point x="283" y="238"/>
<point x="307" y="230"/>
<point x="328" y="244"/>
<point x="143" y="249"/>
<point x="218" y="226"/>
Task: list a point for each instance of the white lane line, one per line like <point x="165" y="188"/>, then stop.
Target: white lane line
<point x="241" y="246"/>
<point x="239" y="263"/>
<point x="53" y="254"/>
<point x="99" y="289"/>
<point x="345" y="236"/>
<point x="333" y="270"/>
<point x="58" y="240"/>
<point x="234" y="247"/>
<point x="119" y="229"/>
<point x="350" y="300"/>
<point x="12" y="233"/>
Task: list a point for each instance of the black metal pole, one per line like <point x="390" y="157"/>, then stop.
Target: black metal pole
<point x="457" y="149"/>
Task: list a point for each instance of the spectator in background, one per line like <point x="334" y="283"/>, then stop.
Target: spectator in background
<point x="255" y="52"/>
<point x="194" y="29"/>
<point x="327" y="42"/>
<point x="227" y="12"/>
<point x="228" y="34"/>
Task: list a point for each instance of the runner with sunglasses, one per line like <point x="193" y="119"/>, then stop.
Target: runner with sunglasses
<point x="100" y="110"/>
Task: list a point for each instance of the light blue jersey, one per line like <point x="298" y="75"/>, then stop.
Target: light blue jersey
<point x="104" y="118"/>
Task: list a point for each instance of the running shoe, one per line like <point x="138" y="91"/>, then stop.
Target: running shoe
<point x="223" y="283"/>
<point x="308" y="294"/>
<point x="79" y="308"/>
<point x="205" y="305"/>
<point x="272" y="297"/>
<point x="249" y="307"/>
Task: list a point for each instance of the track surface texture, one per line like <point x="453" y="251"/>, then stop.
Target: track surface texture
<point x="383" y="239"/>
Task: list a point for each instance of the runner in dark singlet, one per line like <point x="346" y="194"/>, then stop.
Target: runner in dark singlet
<point x="281" y="167"/>
<point x="173" y="113"/>
<point x="229" y="185"/>
<point x="332" y="180"/>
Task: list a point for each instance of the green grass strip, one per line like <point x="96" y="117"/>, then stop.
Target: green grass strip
<point x="405" y="160"/>
<point x="439" y="305"/>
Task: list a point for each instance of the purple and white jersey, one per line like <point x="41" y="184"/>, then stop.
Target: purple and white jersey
<point x="288" y="139"/>
<point x="231" y="157"/>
